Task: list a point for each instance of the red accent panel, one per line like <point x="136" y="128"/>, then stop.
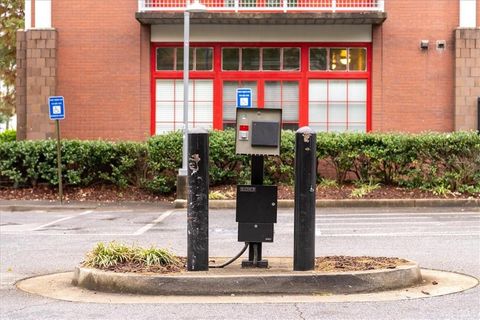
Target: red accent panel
<point x="243" y="128"/>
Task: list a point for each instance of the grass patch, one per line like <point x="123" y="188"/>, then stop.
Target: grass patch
<point x="119" y="257"/>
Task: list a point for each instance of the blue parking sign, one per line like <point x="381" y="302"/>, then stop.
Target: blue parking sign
<point x="244" y="98"/>
<point x="56" y="108"/>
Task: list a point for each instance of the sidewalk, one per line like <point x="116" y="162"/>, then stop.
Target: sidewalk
<point x="31" y="205"/>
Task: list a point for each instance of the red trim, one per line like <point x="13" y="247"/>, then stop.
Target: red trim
<point x="303" y="76"/>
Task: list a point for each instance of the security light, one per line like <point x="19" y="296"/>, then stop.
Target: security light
<point x="424" y="44"/>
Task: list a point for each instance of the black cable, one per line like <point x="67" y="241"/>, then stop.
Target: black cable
<point x="233" y="259"/>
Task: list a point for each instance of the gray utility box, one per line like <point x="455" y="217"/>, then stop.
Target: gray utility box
<point x="256" y="212"/>
<point x="258" y="131"/>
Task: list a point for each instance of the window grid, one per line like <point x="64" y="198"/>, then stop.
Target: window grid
<point x="328" y="69"/>
<point x="193" y="59"/>
<point x="282" y="102"/>
<point x="330" y="104"/>
<point x="176" y="112"/>
<point x="282" y="62"/>
<point x="227" y="101"/>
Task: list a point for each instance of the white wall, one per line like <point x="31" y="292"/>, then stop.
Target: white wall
<point x="263" y="33"/>
<point x="468" y="13"/>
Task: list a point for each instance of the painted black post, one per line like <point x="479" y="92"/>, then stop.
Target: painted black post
<point x="305" y="185"/>
<point x="255" y="248"/>
<point x="197" y="212"/>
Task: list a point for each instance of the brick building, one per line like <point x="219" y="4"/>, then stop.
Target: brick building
<point x="335" y="65"/>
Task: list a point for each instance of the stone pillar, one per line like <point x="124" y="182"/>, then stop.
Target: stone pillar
<point x="41" y="70"/>
<point x="21" y="85"/>
<point x="467" y="77"/>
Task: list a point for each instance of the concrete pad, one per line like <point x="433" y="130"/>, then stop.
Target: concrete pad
<point x="58" y="286"/>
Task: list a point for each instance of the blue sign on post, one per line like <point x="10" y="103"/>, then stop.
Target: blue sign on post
<point x="244" y="98"/>
<point x="56" y="108"/>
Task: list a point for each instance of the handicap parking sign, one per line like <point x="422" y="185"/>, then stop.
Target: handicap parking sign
<point x="56" y="108"/>
<point x="244" y="98"/>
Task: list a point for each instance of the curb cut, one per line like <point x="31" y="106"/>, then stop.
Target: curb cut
<point x="203" y="283"/>
<point x="353" y="203"/>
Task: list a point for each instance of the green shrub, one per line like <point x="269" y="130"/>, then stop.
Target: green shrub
<point x="432" y="161"/>
<point x="8" y="136"/>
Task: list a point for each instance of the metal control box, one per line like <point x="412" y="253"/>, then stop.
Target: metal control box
<point x="258" y="131"/>
<point x="256" y="204"/>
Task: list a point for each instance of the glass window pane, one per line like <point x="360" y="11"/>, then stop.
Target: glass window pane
<point x="357" y="127"/>
<point x="317" y="112"/>
<point x="273" y="91"/>
<point x="165" y="58"/>
<point x="338" y="59"/>
<point x="357" y="112"/>
<point x="317" y="90"/>
<point x="337" y="127"/>
<point x="271" y="59"/>
<point x="180" y="58"/>
<point x="230" y="59"/>
<point x="337" y="112"/>
<point x="250" y="59"/>
<point x="357" y="90"/>
<point x="357" y="59"/>
<point x="230" y="96"/>
<point x="291" y="59"/>
<point x="337" y="90"/>
<point x="203" y="59"/>
<point x="318" y="127"/>
<point x="318" y="59"/>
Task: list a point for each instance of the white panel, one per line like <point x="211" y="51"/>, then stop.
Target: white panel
<point x="179" y="90"/>
<point x="317" y="90"/>
<point x="468" y="13"/>
<point x="165" y="90"/>
<point x="203" y="90"/>
<point x="204" y="112"/>
<point x="164" y="111"/>
<point x="357" y="112"/>
<point x="28" y="14"/>
<point x="290" y="91"/>
<point x="334" y="127"/>
<point x="337" y="112"/>
<point x="272" y="92"/>
<point x="357" y="127"/>
<point x="263" y="33"/>
<point x="163" y="128"/>
<point x="43" y="14"/>
<point x="357" y="90"/>
<point x="290" y="111"/>
<point x="318" y="127"/>
<point x="229" y="111"/>
<point x="317" y="112"/>
<point x="337" y="90"/>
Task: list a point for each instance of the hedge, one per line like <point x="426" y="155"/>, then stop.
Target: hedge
<point x="8" y="136"/>
<point x="431" y="160"/>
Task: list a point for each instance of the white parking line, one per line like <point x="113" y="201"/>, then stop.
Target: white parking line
<point x="400" y="234"/>
<point x="159" y="219"/>
<point x="60" y="220"/>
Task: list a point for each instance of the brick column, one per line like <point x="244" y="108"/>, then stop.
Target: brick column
<point x="21" y="85"/>
<point x="41" y="70"/>
<point x="467" y="77"/>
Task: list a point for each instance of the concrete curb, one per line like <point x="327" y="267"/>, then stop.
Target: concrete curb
<point x="205" y="283"/>
<point x="353" y="203"/>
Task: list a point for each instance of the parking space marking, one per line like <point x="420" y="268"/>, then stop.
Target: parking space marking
<point x="60" y="220"/>
<point x="159" y="219"/>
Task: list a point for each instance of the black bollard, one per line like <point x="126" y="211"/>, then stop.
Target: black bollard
<point x="197" y="212"/>
<point x="305" y="185"/>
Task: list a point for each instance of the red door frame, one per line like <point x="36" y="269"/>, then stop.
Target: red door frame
<point x="302" y="76"/>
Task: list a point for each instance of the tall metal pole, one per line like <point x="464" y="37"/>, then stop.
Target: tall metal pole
<point x="304" y="212"/>
<point x="197" y="211"/>
<point x="186" y="66"/>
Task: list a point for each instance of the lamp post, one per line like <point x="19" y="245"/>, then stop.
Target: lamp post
<point x="182" y="173"/>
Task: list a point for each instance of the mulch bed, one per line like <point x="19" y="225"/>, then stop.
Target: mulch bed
<point x="346" y="263"/>
<point x="105" y="193"/>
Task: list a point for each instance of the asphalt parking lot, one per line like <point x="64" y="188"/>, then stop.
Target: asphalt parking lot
<point x="41" y="242"/>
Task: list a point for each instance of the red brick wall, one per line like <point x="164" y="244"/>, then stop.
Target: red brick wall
<point x="103" y="69"/>
<point x="413" y="90"/>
